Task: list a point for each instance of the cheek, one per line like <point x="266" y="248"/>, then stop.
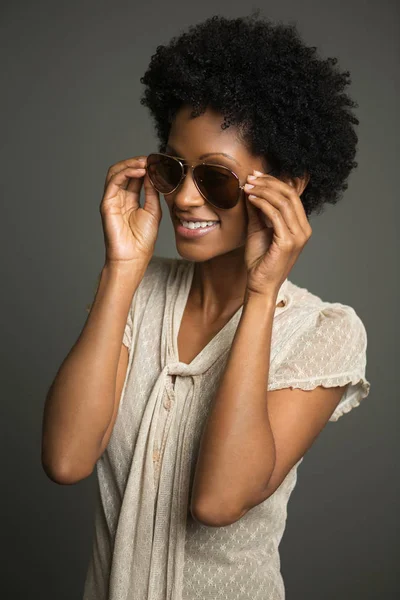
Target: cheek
<point x="168" y="202"/>
<point x="241" y="216"/>
<point x="235" y="221"/>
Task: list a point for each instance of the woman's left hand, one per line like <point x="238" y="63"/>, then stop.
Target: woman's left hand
<point x="271" y="252"/>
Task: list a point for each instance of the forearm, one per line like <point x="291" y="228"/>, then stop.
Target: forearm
<point x="237" y="451"/>
<point x="80" y="401"/>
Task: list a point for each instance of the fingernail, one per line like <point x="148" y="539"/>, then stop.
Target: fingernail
<point x="252" y="177"/>
<point x="257" y="172"/>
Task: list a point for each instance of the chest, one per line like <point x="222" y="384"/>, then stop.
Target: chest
<point x="194" y="336"/>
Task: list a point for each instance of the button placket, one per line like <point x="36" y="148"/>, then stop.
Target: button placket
<point x="159" y="445"/>
<point x="169" y="396"/>
<point x="156" y="455"/>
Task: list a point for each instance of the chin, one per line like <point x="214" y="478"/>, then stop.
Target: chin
<point x="197" y="254"/>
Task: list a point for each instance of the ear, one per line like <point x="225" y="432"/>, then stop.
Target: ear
<point x="298" y="183"/>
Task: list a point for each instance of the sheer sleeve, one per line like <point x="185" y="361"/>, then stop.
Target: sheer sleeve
<point x="329" y="351"/>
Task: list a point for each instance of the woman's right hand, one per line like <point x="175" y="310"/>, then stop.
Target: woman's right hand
<point x="130" y="231"/>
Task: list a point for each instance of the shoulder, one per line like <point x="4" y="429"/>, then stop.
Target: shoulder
<point x="321" y="343"/>
<point x="163" y="275"/>
<point x="313" y="313"/>
<point x="318" y="336"/>
<point x="158" y="271"/>
<point x="159" y="264"/>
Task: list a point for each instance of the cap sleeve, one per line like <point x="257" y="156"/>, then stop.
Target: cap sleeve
<point x="330" y="351"/>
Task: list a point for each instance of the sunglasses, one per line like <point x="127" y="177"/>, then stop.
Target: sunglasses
<point x="216" y="183"/>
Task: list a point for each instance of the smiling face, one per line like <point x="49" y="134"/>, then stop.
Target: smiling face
<point x="190" y="139"/>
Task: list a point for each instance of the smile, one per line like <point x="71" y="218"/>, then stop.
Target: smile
<point x="190" y="229"/>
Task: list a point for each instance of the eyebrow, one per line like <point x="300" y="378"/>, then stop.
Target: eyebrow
<point x="207" y="154"/>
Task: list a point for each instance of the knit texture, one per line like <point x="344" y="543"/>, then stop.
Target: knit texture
<point x="146" y="545"/>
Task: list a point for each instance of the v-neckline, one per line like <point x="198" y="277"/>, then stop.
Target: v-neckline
<point x="213" y="350"/>
<point x="209" y="347"/>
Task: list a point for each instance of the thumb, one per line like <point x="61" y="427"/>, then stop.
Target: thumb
<point x="151" y="198"/>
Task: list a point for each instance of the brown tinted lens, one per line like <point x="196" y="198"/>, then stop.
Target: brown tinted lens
<point x="218" y="184"/>
<point x="164" y="172"/>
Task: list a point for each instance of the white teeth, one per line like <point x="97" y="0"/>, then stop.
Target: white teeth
<point x="196" y="224"/>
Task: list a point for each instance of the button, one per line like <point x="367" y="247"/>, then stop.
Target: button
<point x="167" y="402"/>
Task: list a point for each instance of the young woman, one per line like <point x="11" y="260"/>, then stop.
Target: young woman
<point x="198" y="384"/>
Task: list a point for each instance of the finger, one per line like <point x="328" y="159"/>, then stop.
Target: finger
<point x="283" y="197"/>
<point x="135" y="183"/>
<point x="121" y="179"/>
<point x="281" y="203"/>
<point x="151" y="198"/>
<point x="135" y="161"/>
<point x="288" y="190"/>
<point x="130" y="183"/>
<point x="256" y="219"/>
<point x="275" y="216"/>
<point x="132" y="186"/>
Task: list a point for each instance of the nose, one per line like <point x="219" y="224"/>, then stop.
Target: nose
<point x="187" y="194"/>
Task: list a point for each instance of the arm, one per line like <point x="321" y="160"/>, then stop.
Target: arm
<point x="252" y="437"/>
<point x="80" y="405"/>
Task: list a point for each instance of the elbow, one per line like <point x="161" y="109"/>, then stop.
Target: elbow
<point x="62" y="475"/>
<point x="204" y="515"/>
<point x="62" y="467"/>
<point x="218" y="514"/>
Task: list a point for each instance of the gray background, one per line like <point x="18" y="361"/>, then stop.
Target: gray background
<point x="70" y="108"/>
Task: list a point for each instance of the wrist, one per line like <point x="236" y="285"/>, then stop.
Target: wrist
<point x="126" y="275"/>
<point x="265" y="300"/>
<point x="125" y="268"/>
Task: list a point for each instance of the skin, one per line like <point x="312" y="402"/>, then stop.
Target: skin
<point x="245" y="451"/>
<point x="220" y="277"/>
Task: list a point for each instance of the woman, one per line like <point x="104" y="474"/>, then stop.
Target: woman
<point x="227" y="371"/>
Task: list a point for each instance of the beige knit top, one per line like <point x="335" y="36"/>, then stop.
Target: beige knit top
<point x="146" y="545"/>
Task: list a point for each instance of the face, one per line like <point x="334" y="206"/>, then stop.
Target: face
<point x="190" y="139"/>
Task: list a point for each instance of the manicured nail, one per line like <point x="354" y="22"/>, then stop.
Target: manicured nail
<point x="252" y="177"/>
<point x="257" y="172"/>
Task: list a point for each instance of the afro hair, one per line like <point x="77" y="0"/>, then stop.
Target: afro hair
<point x="287" y="103"/>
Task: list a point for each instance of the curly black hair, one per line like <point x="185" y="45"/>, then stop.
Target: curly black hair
<point x="287" y="103"/>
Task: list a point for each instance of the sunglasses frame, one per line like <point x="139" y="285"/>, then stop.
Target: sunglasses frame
<point x="185" y="166"/>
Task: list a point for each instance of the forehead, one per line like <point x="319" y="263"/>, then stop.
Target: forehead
<point x="193" y="137"/>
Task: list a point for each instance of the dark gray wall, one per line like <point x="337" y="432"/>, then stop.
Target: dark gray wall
<point x="70" y="108"/>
